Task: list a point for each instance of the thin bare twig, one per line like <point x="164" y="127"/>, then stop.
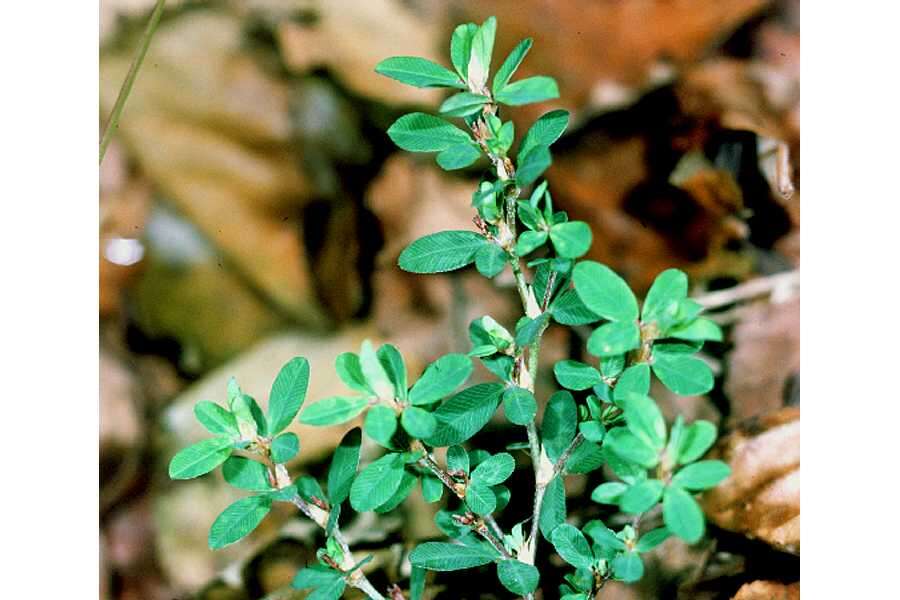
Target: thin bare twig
<point x="113" y="123"/>
<point x="778" y="285"/>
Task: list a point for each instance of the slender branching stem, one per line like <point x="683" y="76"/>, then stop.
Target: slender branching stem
<point x="112" y="124"/>
<point x="357" y="578"/>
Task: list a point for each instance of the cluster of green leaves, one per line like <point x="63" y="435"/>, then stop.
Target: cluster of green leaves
<point x="603" y="414"/>
<point x="249" y="446"/>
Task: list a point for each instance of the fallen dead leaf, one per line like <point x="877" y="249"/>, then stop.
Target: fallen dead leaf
<point x="761" y="499"/>
<point x="766" y="355"/>
<point x="212" y="131"/>
<point x="768" y="590"/>
<point x="349" y="38"/>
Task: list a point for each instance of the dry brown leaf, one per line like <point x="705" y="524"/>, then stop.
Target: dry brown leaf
<point x="766" y="355"/>
<point x="768" y="590"/>
<point x="761" y="499"/>
<point x="350" y="37"/>
<point x="595" y="50"/>
<point x="212" y="131"/>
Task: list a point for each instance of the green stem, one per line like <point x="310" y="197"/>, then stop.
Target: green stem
<point x="113" y="123"/>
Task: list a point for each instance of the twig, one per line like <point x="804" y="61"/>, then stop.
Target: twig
<point x="780" y="284"/>
<point x="357" y="578"/>
<point x="491" y="530"/>
<point x="113" y="123"/>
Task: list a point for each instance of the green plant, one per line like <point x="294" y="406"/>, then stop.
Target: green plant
<point x="602" y="414"/>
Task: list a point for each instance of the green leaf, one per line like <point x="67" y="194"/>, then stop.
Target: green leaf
<point x="330" y="591"/>
<point x="309" y="489"/>
<point x="603" y="535"/>
<point x="532" y="165"/>
<point x="505" y="136"/>
<point x="519" y="405"/>
<point x="285" y="447"/>
<point x="490" y="260"/>
<point x="528" y="91"/>
<point x="432" y="489"/>
<point x="350" y="371"/>
<point x="568" y="309"/>
<point x="315" y="576"/>
<point x="518" y="577"/>
<point x="444" y="556"/>
<point x="376" y="484"/>
<point x="628" y="567"/>
<point x="418" y="72"/>
<point x="699" y="330"/>
<point x="246" y="474"/>
<point x="440" y="378"/>
<point x="702" y="475"/>
<point x="461" y="47"/>
<point x="668" y="288"/>
<point x="381" y="424"/>
<point x="494" y="470"/>
<point x="392" y="362"/>
<point x="572" y="546"/>
<point x="509" y="66"/>
<point x="288" y="393"/>
<point x="420" y="132"/>
<point x="652" y="539"/>
<point x="418" y="423"/>
<point x="375" y="373"/>
<point x="612" y="366"/>
<point x="234" y="390"/>
<point x="441" y="252"/>
<point x="530" y="329"/>
<point x="631" y="448"/>
<point x="553" y="510"/>
<point x="641" y="496"/>
<point x="682" y="515"/>
<point x="571" y="239"/>
<point x="463" y="415"/>
<point x="333" y="410"/>
<point x="604" y="292"/>
<point x="216" y="419"/>
<point x="417" y="583"/>
<point x="343" y="466"/>
<point x="614" y="338"/>
<point x="458" y="156"/>
<point x="243" y="408"/>
<point x="586" y="457"/>
<point x="593" y="431"/>
<point x="529" y="241"/>
<point x="575" y="375"/>
<point x="238" y="520"/>
<point x="463" y="104"/>
<point x="683" y="374"/>
<point x="696" y="440"/>
<point x="200" y="458"/>
<point x="482" y="48"/>
<point x="609" y="492"/>
<point x="458" y="459"/>
<point x="480" y="499"/>
<point x="546" y="130"/>
<point x="634" y="380"/>
<point x="645" y="420"/>
<point x="407" y="483"/>
<point x="559" y="423"/>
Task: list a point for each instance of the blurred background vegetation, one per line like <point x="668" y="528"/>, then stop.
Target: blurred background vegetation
<point x="252" y="209"/>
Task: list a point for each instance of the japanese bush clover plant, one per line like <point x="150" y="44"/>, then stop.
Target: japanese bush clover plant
<point x="601" y="415"/>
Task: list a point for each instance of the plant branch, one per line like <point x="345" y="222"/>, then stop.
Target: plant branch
<point x="356" y="578"/>
<point x="783" y="284"/>
<point x="113" y="123"/>
<point x="491" y="531"/>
